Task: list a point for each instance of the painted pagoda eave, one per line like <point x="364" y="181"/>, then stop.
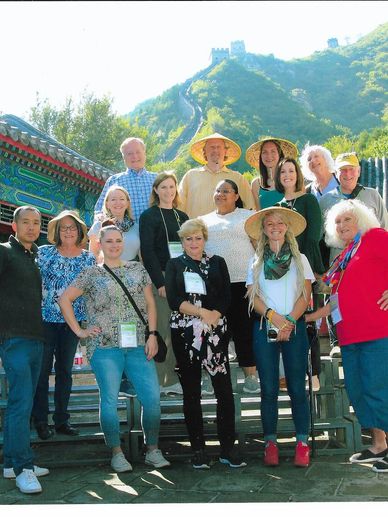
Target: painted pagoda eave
<point x="21" y="152"/>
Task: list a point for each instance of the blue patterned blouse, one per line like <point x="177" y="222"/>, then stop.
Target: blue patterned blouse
<point x="58" y="273"/>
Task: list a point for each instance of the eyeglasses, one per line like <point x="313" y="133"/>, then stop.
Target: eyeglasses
<point x="223" y="191"/>
<point x="64" y="229"/>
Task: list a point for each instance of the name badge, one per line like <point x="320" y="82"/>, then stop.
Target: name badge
<point x="175" y="249"/>
<point x="336" y="315"/>
<point x="194" y="283"/>
<point x="128" y="337"/>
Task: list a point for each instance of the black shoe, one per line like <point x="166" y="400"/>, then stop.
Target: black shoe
<point x="233" y="459"/>
<point x="381" y="466"/>
<point x="367" y="456"/>
<point x="200" y="460"/>
<point x="67" y="429"/>
<point x="44" y="432"/>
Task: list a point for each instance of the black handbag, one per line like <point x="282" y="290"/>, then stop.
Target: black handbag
<point x="162" y="347"/>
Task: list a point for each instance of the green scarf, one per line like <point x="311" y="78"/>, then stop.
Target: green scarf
<point x="276" y="266"/>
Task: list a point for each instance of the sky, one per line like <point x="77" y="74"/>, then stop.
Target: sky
<point x="133" y="51"/>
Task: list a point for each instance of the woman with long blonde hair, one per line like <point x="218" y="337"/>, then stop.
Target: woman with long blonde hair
<point x="279" y="290"/>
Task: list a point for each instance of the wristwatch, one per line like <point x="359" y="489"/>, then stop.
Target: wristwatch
<point x="153" y="333"/>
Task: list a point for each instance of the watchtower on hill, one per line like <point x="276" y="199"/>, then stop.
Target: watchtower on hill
<point x="332" y="43"/>
<point x="237" y="48"/>
<point x="219" y="54"/>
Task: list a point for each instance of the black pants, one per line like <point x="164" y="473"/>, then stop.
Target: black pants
<point x="189" y="374"/>
<point x="240" y="325"/>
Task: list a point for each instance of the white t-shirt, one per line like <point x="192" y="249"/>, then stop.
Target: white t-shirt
<point x="281" y="294"/>
<point x="228" y="239"/>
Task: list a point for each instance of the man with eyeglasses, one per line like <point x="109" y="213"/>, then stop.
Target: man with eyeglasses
<point x="21" y="344"/>
<point x="197" y="186"/>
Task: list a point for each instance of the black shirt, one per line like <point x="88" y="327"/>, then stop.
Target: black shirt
<point x="20" y="292"/>
<point x="218" y="295"/>
<point x="153" y="239"/>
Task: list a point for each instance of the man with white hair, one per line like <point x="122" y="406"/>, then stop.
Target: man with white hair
<point x="348" y="170"/>
<point x="136" y="180"/>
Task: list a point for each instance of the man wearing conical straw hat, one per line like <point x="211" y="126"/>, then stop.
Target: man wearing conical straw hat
<point x="196" y="189"/>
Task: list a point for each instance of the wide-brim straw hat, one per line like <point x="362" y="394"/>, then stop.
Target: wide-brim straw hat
<point x="252" y="155"/>
<point x="296" y="223"/>
<point x="233" y="150"/>
<point x="56" y="220"/>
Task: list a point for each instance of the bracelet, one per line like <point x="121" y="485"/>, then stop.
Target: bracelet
<point x="291" y="319"/>
<point x="153" y="333"/>
<point x="270" y="316"/>
<point x="266" y="312"/>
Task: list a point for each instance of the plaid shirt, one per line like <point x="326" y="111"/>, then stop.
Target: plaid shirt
<point x="139" y="186"/>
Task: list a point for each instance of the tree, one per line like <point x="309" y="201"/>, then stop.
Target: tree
<point x="91" y="128"/>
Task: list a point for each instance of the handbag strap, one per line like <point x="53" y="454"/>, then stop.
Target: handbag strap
<point x="132" y="301"/>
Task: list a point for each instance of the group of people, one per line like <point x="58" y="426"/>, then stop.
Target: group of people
<point x="205" y="261"/>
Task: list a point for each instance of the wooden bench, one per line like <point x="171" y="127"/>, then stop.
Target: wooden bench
<point x="334" y="431"/>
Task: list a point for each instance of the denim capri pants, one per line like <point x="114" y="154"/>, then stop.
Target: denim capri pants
<point x="366" y="380"/>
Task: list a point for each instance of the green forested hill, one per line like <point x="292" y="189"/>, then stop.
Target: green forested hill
<point x="339" y="91"/>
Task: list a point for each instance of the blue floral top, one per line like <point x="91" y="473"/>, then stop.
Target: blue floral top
<point x="58" y="273"/>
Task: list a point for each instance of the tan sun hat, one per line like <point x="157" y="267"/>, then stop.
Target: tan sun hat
<point x="252" y="155"/>
<point x="233" y="150"/>
<point x="296" y="222"/>
<point x="56" y="220"/>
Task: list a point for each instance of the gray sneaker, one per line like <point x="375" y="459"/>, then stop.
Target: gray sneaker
<point x="156" y="459"/>
<point x="251" y="384"/>
<point x="120" y="464"/>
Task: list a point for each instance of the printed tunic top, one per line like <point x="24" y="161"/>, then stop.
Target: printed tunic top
<point x="58" y="272"/>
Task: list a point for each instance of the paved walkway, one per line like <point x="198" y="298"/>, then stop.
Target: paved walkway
<point x="328" y="479"/>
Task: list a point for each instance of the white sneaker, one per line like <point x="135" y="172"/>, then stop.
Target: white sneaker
<point x="207" y="387"/>
<point x="38" y="471"/>
<point x="28" y="483"/>
<point x="120" y="464"/>
<point x="175" y="389"/>
<point x="156" y="459"/>
<point x="251" y="384"/>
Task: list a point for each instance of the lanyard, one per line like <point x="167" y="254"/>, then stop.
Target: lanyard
<point x="164" y="222"/>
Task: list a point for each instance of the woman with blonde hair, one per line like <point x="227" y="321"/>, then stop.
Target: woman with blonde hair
<point x="279" y="289"/>
<point x="198" y="292"/>
<point x="117" y="210"/>
<point x="159" y="241"/>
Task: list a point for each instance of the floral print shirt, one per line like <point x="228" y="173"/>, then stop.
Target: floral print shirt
<point x="107" y="304"/>
<point x="57" y="274"/>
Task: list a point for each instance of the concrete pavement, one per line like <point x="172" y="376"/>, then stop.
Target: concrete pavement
<point x="328" y="479"/>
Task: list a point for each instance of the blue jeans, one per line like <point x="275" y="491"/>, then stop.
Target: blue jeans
<point x="295" y="356"/>
<point x="108" y="365"/>
<point x="61" y="343"/>
<point x="21" y="359"/>
<point x="365" y="372"/>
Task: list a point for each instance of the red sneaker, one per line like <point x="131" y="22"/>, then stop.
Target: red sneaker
<point x="271" y="454"/>
<point x="302" y="455"/>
